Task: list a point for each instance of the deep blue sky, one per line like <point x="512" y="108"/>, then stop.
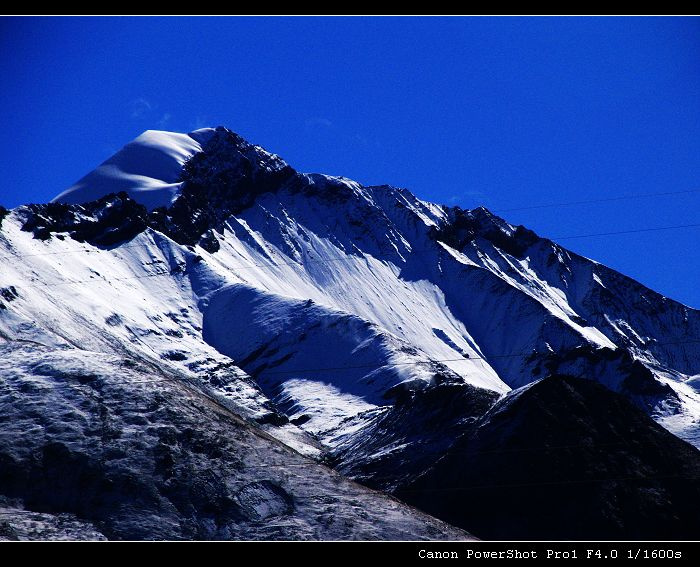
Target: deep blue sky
<point x="501" y="112"/>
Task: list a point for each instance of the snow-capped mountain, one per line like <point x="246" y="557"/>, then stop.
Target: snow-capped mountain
<point x="356" y="325"/>
<point x="148" y="169"/>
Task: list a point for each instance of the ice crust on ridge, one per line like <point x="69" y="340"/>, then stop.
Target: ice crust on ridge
<point x="147" y="169"/>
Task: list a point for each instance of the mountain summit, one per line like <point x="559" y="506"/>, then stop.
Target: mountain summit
<point x="147" y="169"/>
<point x="335" y="324"/>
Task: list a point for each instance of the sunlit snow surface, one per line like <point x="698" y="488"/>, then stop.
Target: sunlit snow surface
<point x="147" y="169"/>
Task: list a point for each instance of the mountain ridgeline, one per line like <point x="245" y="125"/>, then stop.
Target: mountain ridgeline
<point x="196" y="304"/>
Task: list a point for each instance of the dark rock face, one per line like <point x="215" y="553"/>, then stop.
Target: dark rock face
<point x="104" y="222"/>
<point x="220" y="181"/>
<point x="57" y="479"/>
<point x="9" y="293"/>
<point x="625" y="374"/>
<point x="3" y="214"/>
<point x="7" y="532"/>
<point x="417" y="430"/>
<point x="565" y="459"/>
<point x="464" y="226"/>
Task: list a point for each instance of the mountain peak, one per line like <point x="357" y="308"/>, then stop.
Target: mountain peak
<point x="147" y="169"/>
<point x="151" y="168"/>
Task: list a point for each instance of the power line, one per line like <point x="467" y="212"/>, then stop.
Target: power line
<point x="448" y="453"/>
<point x="429" y="361"/>
<point x="528" y="207"/>
<point x="331" y="369"/>
<point x="93" y="280"/>
<point x="633" y="231"/>
<point x="602" y="200"/>
<point x="378" y="364"/>
<point x="86" y="250"/>
<point x="170" y="273"/>
<point x="486" y="452"/>
<point x="312" y="463"/>
<point x="341" y="259"/>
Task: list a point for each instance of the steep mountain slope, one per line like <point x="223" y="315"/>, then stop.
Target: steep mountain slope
<point x="356" y="365"/>
<point x="104" y="445"/>
<point x="357" y="324"/>
<point x="517" y="474"/>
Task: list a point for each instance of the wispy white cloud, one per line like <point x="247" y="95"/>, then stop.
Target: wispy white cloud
<point x="163" y="122"/>
<point x="147" y="111"/>
<point x="201" y="121"/>
<point x="361" y="140"/>
<point x="140" y="107"/>
<point x="470" y="195"/>
<point x="317" y="122"/>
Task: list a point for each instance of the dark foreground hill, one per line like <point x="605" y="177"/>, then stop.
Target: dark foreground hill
<point x="565" y="459"/>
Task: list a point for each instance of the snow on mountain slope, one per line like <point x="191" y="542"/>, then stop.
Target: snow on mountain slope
<point x="320" y="366"/>
<point x="492" y="301"/>
<point x="147" y="169"/>
<point x="606" y="302"/>
<point x="360" y="325"/>
<point x="96" y="445"/>
<point x="138" y="301"/>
